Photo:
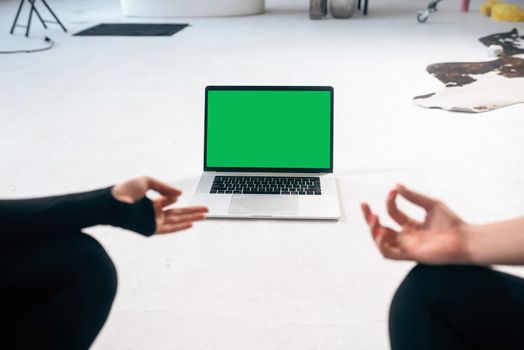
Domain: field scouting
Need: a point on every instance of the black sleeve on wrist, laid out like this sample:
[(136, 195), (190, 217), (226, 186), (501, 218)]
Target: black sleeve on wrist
[(138, 217), (77, 211)]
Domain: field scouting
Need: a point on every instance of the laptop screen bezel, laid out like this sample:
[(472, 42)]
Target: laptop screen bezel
[(270, 88)]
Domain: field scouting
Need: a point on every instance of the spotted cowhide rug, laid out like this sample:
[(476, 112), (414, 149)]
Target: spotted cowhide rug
[(481, 86)]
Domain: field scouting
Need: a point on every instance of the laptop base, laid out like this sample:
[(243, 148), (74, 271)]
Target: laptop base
[(269, 206)]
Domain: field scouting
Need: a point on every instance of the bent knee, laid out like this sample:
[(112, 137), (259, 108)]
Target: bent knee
[(412, 306), (93, 268), (427, 284)]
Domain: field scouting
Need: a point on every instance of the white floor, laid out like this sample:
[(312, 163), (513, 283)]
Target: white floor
[(94, 111)]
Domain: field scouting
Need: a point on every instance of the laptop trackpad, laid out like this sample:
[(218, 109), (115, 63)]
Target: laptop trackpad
[(263, 204)]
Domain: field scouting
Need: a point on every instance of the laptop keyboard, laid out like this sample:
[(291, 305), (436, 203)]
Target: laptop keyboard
[(266, 185)]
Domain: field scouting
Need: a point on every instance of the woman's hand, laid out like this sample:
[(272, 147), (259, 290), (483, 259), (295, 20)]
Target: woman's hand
[(167, 220), (439, 239)]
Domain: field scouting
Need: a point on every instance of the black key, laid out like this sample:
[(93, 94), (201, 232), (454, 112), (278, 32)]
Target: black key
[(213, 191), (301, 192), (263, 184), (293, 192), (318, 192)]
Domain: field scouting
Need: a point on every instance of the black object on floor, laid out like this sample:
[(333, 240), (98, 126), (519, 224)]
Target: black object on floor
[(133, 29), (34, 10)]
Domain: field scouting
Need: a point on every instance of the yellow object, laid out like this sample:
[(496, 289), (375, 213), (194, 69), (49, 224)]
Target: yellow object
[(501, 11), (507, 12), (486, 7)]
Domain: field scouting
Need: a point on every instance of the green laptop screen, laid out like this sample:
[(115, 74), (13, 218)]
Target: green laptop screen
[(268, 129)]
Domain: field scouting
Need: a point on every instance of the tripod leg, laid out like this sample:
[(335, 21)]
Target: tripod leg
[(40, 18), (17, 15), (57, 20), (358, 4), (32, 2), (365, 12)]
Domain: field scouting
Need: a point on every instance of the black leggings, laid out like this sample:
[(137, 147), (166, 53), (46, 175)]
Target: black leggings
[(457, 307), (55, 292)]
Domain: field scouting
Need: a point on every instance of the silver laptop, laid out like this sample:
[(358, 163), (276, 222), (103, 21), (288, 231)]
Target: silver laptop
[(268, 153)]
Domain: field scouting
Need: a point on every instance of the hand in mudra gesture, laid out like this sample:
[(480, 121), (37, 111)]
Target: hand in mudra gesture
[(167, 220), (439, 239)]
